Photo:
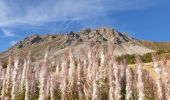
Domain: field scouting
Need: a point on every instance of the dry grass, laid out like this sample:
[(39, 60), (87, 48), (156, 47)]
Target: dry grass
[(150, 69), (94, 76)]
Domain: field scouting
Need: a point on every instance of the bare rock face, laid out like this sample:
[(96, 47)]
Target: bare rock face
[(34, 40), (100, 35), (57, 42), (114, 36)]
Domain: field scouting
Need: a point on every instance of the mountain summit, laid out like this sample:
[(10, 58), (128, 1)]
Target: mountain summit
[(37, 44)]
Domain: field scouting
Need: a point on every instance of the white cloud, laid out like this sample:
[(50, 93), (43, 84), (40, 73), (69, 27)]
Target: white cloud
[(31, 12), (13, 43), (7, 33)]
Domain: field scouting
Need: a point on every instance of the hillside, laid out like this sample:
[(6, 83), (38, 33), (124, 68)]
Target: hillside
[(37, 44), (87, 71), (158, 46)]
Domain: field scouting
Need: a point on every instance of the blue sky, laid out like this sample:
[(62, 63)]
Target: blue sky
[(142, 19)]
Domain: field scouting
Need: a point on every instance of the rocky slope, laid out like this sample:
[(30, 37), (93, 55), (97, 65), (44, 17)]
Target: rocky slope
[(77, 40)]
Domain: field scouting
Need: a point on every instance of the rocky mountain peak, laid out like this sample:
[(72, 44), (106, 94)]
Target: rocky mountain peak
[(104, 34), (99, 35), (57, 42)]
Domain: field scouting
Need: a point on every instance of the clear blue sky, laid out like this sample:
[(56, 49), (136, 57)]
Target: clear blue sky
[(142, 19)]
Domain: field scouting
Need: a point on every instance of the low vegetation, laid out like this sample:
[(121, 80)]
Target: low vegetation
[(146, 58), (97, 75)]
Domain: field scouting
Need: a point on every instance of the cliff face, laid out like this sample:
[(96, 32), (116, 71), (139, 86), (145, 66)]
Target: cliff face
[(58, 42)]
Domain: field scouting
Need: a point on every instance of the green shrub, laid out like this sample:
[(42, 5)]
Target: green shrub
[(147, 58)]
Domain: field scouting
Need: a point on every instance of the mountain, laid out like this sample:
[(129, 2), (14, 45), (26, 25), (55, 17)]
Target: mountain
[(37, 44)]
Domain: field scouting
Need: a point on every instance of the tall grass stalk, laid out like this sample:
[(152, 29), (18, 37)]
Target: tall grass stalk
[(43, 79), (64, 73), (117, 82), (27, 76), (158, 80), (80, 79), (27, 86), (8, 75), (3, 88), (72, 70), (165, 77), (23, 74), (129, 84), (52, 85), (14, 79), (111, 82), (95, 75), (140, 83)]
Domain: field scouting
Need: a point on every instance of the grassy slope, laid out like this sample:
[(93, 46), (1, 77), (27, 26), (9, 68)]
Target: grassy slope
[(149, 67), (163, 48), (157, 45)]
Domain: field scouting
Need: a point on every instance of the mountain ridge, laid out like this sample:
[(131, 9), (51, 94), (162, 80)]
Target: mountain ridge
[(37, 44)]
